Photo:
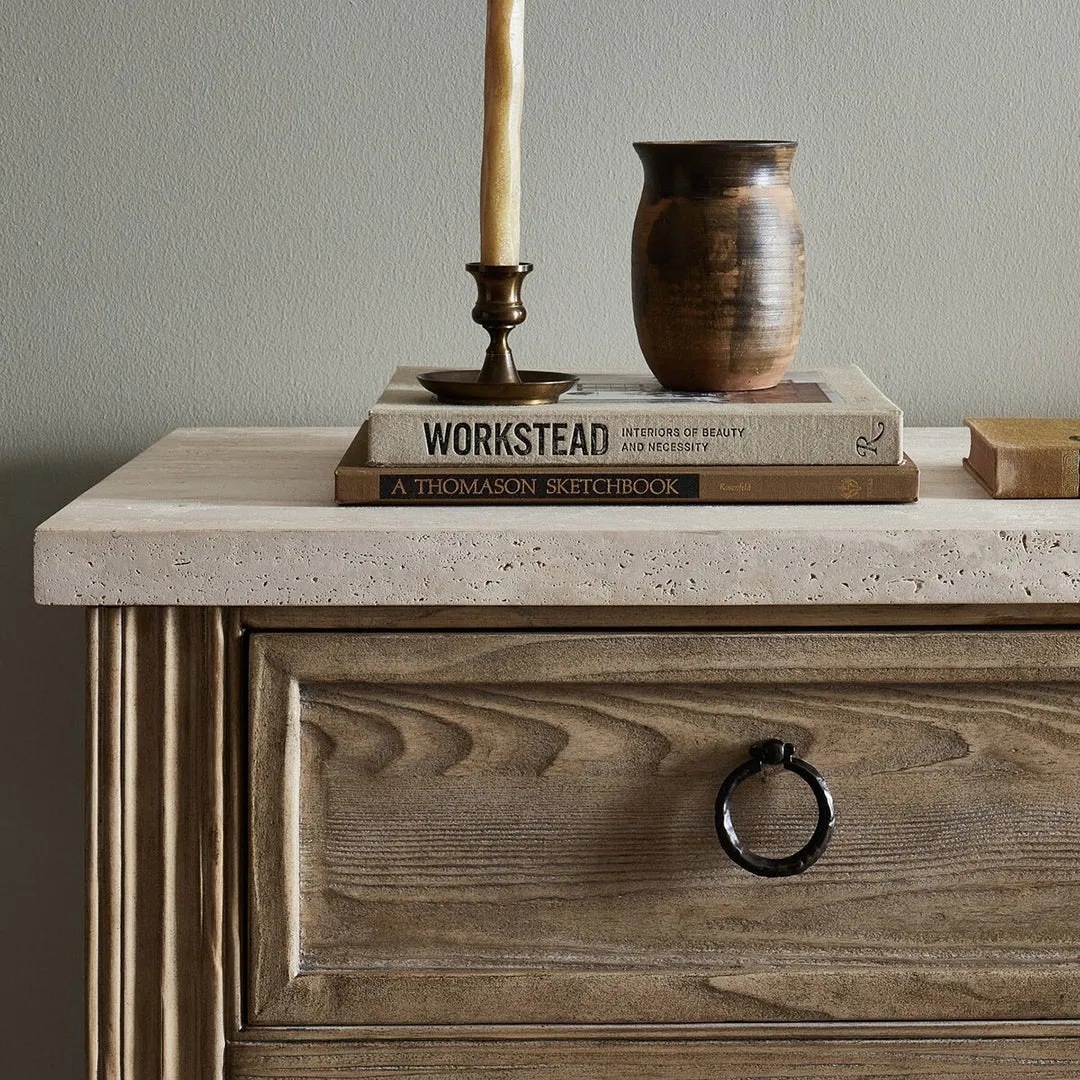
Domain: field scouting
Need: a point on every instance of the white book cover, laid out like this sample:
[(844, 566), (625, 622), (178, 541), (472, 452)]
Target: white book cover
[(832, 416)]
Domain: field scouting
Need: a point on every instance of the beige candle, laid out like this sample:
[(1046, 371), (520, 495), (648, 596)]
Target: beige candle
[(500, 171)]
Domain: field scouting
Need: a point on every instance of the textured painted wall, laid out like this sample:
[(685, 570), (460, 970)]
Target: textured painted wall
[(248, 213)]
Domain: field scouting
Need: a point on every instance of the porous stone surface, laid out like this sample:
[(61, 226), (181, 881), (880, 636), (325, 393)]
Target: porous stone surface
[(224, 516)]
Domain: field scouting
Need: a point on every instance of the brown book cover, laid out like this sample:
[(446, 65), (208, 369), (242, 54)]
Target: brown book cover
[(359, 483), (1025, 458)]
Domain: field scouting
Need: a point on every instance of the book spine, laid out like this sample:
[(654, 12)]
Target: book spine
[(1026, 472), (981, 462), (372, 485), (670, 437)]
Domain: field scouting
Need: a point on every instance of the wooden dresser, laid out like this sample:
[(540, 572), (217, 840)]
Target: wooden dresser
[(432, 792)]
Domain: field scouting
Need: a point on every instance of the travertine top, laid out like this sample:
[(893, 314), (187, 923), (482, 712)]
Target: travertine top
[(235, 516)]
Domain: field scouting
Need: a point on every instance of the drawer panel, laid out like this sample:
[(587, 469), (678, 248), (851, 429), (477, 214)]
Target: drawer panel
[(488, 828)]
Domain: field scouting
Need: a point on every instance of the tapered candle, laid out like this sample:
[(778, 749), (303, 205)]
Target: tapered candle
[(500, 170)]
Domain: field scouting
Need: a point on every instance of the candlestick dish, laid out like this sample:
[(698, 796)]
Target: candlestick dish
[(498, 310)]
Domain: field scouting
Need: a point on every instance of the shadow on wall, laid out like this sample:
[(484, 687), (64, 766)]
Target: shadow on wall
[(42, 778)]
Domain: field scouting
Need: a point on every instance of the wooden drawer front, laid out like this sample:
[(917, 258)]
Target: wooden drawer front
[(492, 828)]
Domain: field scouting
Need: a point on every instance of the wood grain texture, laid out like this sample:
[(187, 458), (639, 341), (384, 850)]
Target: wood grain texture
[(155, 800), (510, 827), (165, 807), (274, 838), (234, 804), (707, 659), (104, 985), (740, 617), (990, 1059), (795, 1031)]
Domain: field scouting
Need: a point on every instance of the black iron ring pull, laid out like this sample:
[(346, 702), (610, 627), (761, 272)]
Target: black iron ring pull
[(775, 752)]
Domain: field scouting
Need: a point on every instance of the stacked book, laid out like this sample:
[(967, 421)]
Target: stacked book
[(1032, 458), (827, 436)]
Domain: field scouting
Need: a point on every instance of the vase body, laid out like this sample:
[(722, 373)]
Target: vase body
[(717, 264)]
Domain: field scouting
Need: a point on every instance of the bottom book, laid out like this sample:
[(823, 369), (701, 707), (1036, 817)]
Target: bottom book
[(359, 483)]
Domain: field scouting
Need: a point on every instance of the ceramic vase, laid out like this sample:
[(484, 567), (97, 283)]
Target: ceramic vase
[(717, 264)]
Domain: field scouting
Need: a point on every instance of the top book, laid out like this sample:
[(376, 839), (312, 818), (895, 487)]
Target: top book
[(834, 416)]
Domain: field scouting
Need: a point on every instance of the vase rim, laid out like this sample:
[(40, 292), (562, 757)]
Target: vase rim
[(756, 144)]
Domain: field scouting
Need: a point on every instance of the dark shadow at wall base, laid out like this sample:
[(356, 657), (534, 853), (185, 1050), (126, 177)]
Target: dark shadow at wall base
[(42, 781)]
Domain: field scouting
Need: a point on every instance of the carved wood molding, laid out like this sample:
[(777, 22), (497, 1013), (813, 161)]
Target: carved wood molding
[(672, 1059), (156, 866)]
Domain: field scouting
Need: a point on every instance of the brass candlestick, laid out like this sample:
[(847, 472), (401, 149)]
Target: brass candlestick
[(498, 310)]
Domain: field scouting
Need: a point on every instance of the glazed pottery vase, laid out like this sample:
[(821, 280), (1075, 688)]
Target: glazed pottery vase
[(717, 264)]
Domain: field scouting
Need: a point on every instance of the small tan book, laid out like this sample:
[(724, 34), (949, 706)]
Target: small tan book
[(1025, 459)]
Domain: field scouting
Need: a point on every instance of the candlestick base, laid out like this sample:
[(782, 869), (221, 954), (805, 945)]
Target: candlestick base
[(498, 310), (461, 387)]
